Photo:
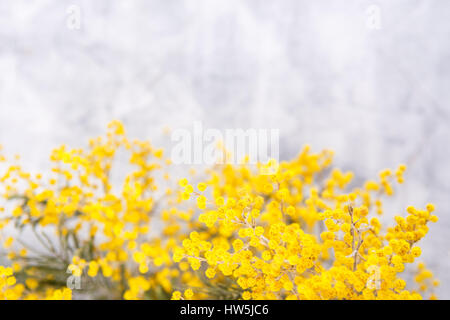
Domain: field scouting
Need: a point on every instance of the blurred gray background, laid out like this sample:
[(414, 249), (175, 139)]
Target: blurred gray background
[(370, 79)]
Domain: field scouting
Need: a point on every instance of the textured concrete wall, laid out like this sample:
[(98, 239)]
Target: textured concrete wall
[(328, 73)]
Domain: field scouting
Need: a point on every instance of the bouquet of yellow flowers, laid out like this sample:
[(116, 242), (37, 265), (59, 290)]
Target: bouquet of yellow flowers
[(84, 230)]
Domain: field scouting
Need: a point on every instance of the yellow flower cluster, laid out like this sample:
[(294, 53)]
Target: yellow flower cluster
[(298, 234), (97, 227), (76, 223), (9, 290)]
